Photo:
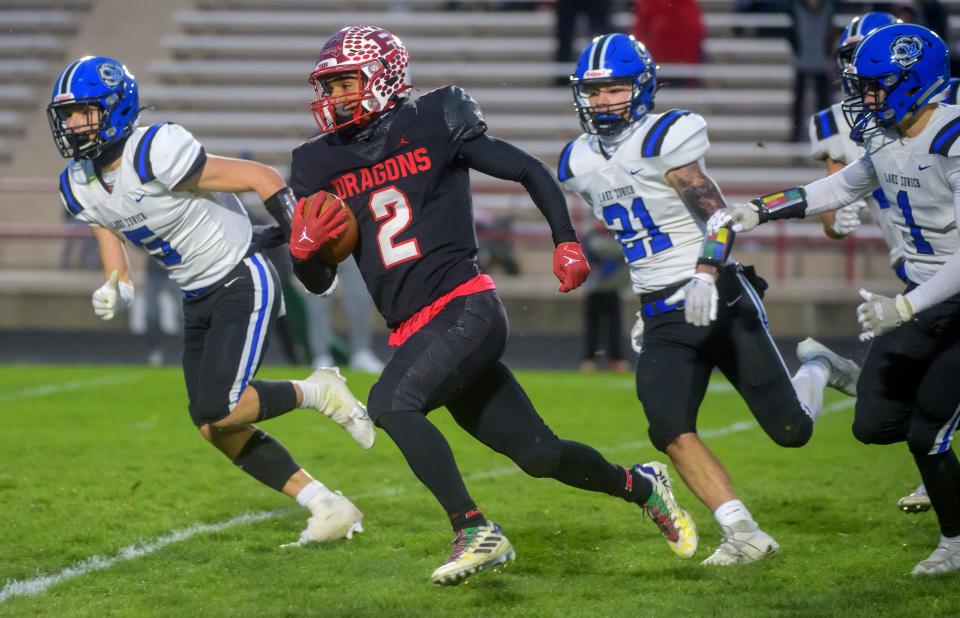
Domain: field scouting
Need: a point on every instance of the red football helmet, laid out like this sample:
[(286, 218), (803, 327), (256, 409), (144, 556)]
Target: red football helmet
[(381, 65)]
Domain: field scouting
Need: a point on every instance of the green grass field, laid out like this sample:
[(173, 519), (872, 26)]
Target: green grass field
[(98, 459)]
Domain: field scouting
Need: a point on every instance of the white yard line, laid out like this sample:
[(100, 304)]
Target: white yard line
[(29, 587), (65, 387)]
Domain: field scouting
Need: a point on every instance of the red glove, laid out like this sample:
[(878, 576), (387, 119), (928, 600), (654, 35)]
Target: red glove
[(309, 232), (570, 266)]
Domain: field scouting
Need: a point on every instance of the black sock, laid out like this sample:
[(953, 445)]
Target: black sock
[(583, 467), (466, 517), (941, 476), (276, 397)]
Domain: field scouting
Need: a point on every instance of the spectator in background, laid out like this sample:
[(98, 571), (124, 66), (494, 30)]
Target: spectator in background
[(357, 305), (601, 304), (812, 38), (672, 30), (598, 22)]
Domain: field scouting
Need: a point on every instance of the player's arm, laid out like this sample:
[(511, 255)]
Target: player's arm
[(851, 183), (502, 160), (702, 197), (239, 175), (879, 314), (829, 219), (117, 293)]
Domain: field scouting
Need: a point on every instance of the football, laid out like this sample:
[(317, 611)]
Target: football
[(341, 247)]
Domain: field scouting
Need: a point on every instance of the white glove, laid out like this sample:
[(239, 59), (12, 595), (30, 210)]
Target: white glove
[(881, 314), (700, 297), (740, 217), (112, 296), (848, 218), (636, 334)]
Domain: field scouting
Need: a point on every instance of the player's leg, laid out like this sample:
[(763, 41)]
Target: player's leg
[(672, 378), (224, 337), (743, 349), (237, 329), (496, 410), (931, 431), (428, 369)]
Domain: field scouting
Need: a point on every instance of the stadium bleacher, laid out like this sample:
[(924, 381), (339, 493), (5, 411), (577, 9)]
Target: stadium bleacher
[(234, 72)]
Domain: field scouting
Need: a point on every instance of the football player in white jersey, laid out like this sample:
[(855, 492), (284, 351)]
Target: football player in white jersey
[(830, 142), (643, 175), (907, 390), (157, 188)]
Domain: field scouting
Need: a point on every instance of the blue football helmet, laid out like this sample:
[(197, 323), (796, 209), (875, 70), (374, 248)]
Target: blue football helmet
[(858, 28), (613, 58), (93, 81), (900, 68)]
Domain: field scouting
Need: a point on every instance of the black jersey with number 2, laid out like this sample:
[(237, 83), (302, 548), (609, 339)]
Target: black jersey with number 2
[(410, 195)]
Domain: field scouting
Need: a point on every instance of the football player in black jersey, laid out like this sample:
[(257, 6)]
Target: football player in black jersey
[(403, 167)]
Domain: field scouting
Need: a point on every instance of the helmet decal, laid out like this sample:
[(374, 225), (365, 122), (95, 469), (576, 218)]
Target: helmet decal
[(906, 50)]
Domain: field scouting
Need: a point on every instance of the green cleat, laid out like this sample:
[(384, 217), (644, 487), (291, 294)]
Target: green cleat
[(674, 523)]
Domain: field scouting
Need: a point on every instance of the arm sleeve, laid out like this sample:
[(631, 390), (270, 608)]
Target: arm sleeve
[(507, 162), (852, 183), (316, 276), (946, 281)]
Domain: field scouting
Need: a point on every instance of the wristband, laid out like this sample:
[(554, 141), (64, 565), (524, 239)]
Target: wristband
[(716, 248), (788, 204)]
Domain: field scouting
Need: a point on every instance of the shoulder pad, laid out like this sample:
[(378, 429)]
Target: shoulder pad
[(825, 123), (141, 155), (461, 113), (70, 200), (653, 142), (945, 141), (953, 91), (564, 170)]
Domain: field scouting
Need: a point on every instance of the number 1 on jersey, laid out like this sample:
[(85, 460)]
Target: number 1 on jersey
[(391, 203)]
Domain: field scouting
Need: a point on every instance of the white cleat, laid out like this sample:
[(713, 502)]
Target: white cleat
[(844, 373), (474, 549), (334, 517), (917, 501), (944, 559), (743, 542), (326, 391)]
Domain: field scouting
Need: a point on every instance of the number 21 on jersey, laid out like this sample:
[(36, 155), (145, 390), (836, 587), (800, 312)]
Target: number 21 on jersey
[(391, 206), (628, 222)]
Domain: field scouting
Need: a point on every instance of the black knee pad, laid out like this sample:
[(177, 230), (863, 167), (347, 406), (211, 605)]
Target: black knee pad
[(266, 460), (276, 397), (539, 459)]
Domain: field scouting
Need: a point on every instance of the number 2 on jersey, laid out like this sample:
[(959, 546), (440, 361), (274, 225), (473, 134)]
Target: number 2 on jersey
[(626, 224), (390, 204)]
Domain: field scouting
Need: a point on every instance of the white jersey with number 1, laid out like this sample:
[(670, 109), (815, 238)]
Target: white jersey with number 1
[(628, 191), (198, 237)]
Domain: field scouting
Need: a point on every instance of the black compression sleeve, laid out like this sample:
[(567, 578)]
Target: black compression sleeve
[(507, 162), (316, 276)]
